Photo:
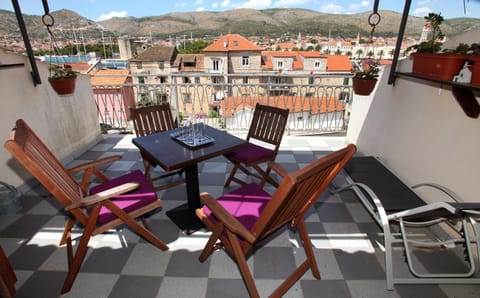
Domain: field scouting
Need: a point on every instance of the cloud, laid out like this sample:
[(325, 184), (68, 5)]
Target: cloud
[(352, 8), (225, 3), (181, 4), (331, 8), (289, 3), (424, 2), (421, 11), (255, 4), (358, 6), (198, 2), (214, 4), (113, 14), (200, 8)]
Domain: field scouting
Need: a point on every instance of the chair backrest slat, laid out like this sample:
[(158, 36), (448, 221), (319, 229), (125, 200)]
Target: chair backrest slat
[(268, 124), (152, 119), (298, 192), (36, 157)]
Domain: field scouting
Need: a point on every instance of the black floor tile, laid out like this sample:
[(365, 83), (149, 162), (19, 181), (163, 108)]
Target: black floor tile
[(129, 286)]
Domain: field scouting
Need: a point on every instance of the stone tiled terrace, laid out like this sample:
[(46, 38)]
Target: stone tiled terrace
[(347, 244)]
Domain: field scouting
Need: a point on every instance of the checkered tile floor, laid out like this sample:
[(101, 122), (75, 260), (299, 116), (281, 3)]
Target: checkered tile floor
[(348, 244)]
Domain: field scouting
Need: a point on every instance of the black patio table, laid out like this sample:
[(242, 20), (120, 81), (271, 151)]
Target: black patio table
[(165, 150)]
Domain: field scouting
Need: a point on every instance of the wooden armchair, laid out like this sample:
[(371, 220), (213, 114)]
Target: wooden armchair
[(110, 204), (241, 219), (267, 127), (149, 120)]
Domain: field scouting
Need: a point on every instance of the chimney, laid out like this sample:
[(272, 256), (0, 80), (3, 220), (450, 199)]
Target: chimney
[(225, 43)]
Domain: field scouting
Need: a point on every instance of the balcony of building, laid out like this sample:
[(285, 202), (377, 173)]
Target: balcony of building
[(417, 128)]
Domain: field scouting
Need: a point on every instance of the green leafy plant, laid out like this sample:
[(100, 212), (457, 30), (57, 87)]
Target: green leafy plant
[(462, 48), (61, 72), (432, 45), (369, 71)]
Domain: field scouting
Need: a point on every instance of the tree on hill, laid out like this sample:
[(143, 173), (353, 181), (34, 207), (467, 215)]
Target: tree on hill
[(195, 47)]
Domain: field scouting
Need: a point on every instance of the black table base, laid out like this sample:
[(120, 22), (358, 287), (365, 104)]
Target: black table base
[(185, 219)]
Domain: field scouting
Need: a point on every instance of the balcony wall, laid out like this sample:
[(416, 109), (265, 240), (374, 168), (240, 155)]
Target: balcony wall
[(68, 124), (421, 133)]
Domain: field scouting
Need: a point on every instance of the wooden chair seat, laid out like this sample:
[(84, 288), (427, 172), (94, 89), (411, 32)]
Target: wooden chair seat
[(149, 120), (110, 205), (241, 219), (267, 127)]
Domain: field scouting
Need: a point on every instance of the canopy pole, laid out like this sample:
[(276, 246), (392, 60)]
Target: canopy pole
[(23, 30), (401, 32)]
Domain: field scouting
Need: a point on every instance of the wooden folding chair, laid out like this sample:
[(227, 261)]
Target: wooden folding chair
[(267, 127), (149, 120), (111, 204), (7, 277), (241, 219)]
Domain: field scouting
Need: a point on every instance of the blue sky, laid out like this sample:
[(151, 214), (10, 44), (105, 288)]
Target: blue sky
[(104, 9)]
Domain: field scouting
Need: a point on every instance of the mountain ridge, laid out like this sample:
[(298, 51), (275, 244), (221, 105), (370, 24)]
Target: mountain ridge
[(275, 22)]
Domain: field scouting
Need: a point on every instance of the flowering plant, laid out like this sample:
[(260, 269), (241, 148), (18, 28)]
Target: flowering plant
[(369, 70), (61, 72)]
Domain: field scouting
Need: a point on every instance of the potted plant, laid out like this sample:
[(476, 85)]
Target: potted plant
[(475, 60), (429, 61), (62, 79), (365, 77)]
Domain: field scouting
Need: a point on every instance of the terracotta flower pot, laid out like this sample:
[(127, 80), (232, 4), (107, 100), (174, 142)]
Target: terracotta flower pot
[(475, 70), (63, 86), (363, 86), (438, 66)]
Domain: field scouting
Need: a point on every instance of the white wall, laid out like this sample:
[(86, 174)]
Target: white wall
[(67, 124), (421, 133)]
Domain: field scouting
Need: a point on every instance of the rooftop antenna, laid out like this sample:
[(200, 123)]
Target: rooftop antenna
[(104, 51)]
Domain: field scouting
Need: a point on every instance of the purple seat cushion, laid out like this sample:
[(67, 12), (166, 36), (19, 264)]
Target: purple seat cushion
[(139, 197), (251, 154), (245, 204)]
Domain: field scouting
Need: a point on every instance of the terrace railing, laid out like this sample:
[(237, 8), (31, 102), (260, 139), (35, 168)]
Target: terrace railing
[(227, 101)]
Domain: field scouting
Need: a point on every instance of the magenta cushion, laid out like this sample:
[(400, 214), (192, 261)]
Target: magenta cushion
[(251, 154), (139, 197), (245, 204)]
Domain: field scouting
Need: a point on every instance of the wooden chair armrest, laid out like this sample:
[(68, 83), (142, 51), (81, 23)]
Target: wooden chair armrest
[(278, 168), (103, 195), (230, 222), (95, 163)]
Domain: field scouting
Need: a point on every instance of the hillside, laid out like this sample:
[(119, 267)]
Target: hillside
[(248, 22)]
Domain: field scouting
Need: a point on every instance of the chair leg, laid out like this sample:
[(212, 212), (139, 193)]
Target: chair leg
[(265, 176), (67, 230), (309, 263), (242, 265), (145, 233), (232, 174), (307, 246), (81, 250), (210, 246)]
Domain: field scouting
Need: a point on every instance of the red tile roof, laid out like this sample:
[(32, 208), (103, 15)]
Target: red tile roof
[(232, 42), (295, 104), (80, 67), (113, 80), (338, 63)]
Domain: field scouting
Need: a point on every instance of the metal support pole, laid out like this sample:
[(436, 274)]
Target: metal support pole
[(23, 30), (401, 32)]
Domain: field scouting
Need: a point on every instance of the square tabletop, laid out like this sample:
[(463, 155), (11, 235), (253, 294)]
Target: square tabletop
[(171, 154)]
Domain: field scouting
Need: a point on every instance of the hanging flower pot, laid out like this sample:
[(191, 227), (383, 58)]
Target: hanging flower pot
[(63, 86), (363, 86), (62, 79), (365, 77)]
